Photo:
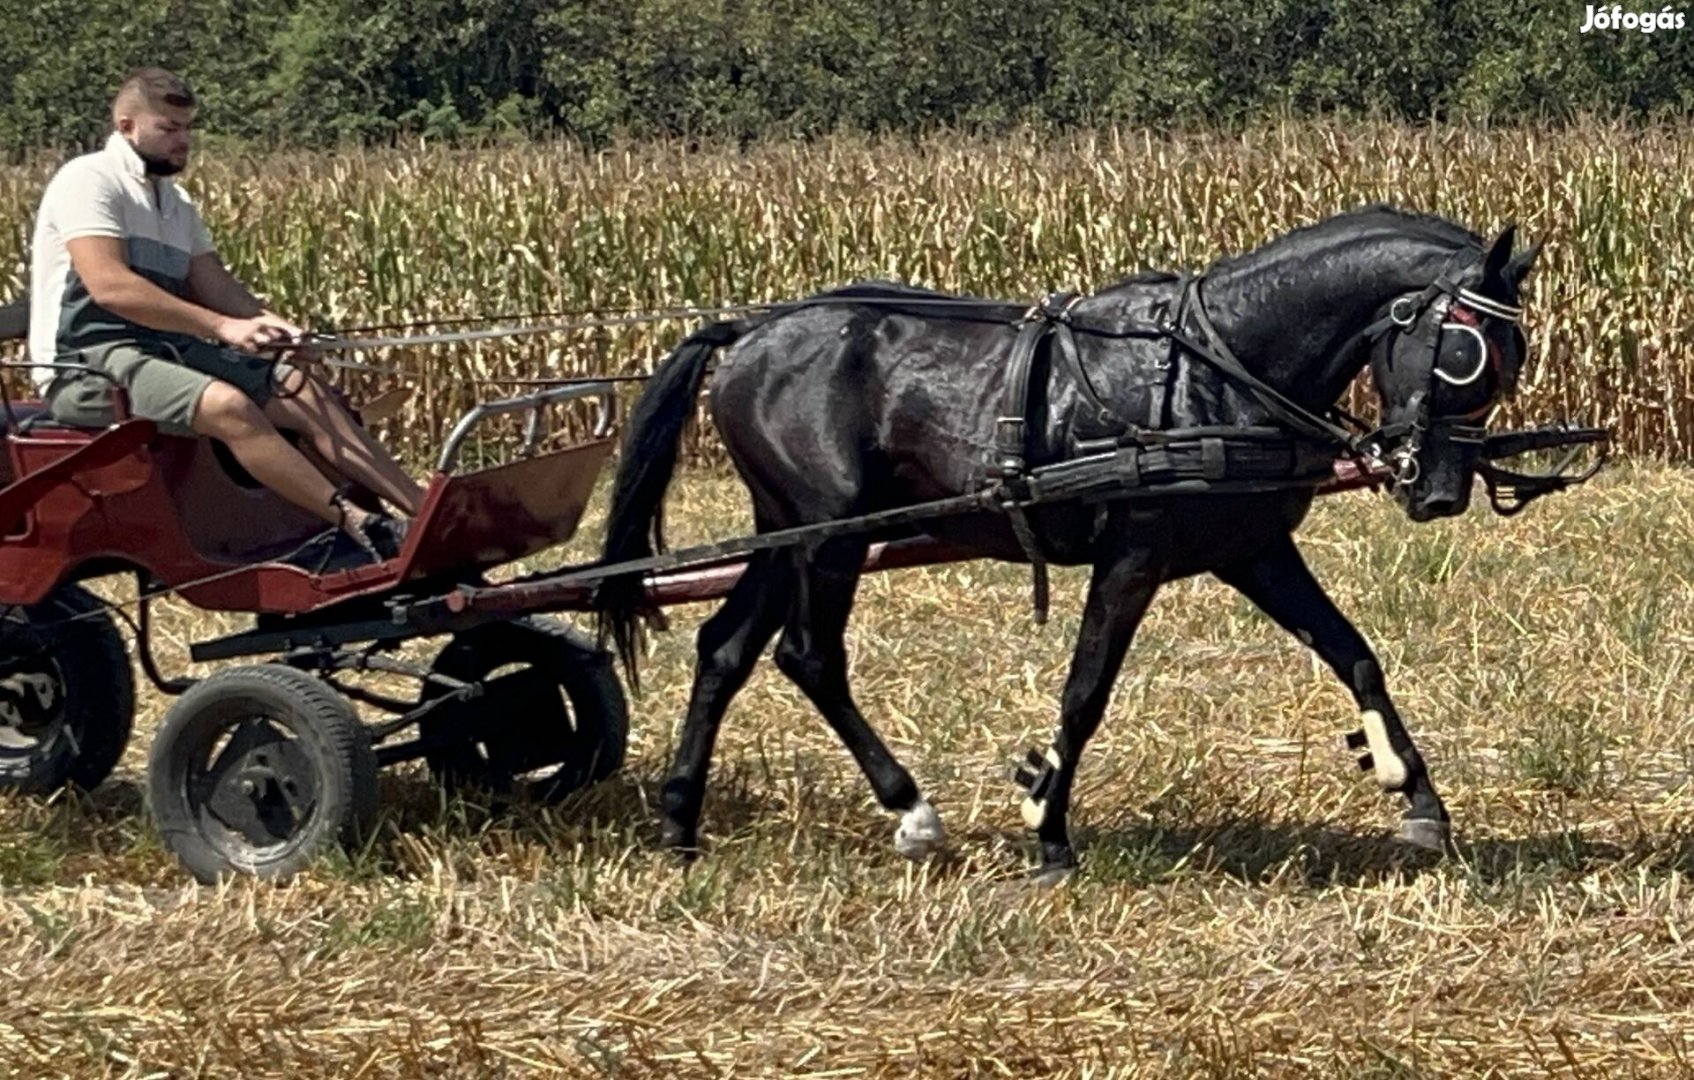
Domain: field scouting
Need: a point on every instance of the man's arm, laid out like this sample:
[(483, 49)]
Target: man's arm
[(101, 264), (212, 285)]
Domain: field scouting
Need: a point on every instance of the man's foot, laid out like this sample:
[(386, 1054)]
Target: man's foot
[(329, 552), (380, 535)]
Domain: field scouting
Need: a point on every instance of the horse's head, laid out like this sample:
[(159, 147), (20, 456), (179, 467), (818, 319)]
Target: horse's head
[(1446, 357)]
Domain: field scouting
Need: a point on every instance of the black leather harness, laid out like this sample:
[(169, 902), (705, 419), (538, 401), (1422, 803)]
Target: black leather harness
[(1184, 455), (1048, 320), (1048, 323)]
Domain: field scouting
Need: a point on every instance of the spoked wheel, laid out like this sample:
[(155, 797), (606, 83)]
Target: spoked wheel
[(67, 694), (259, 770), (551, 718)]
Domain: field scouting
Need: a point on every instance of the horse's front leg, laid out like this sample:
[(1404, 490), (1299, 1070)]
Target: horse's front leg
[(1282, 586)]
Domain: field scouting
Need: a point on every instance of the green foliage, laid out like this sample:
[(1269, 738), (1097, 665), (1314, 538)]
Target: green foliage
[(63, 59), (324, 72)]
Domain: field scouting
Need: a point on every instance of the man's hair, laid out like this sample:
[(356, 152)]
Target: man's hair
[(154, 88)]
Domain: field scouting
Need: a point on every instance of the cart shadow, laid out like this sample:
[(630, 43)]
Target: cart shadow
[(118, 800)]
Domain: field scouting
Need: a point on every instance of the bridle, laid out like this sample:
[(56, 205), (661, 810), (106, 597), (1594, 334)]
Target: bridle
[(1418, 322)]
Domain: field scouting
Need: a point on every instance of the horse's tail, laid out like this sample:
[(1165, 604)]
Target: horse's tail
[(645, 465)]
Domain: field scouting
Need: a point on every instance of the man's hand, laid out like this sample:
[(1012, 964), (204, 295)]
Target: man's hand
[(251, 335)]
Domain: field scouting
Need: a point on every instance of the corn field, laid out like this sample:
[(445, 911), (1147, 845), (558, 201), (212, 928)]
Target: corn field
[(353, 240)]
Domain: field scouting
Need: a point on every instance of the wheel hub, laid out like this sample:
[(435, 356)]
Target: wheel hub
[(32, 700), (261, 787)]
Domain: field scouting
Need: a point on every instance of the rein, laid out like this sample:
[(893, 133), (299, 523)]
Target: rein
[(1458, 309)]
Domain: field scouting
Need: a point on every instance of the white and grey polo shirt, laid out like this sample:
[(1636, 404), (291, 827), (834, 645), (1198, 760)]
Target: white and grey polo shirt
[(106, 193)]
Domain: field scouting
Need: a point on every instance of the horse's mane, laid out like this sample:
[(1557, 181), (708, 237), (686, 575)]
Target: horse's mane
[(1372, 218)]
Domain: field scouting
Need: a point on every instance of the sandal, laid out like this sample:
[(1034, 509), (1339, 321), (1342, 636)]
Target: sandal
[(382, 537)]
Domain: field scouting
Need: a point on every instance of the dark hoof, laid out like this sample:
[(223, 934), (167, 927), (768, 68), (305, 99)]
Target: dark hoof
[(1427, 835), (681, 841), (1049, 877), (1058, 863)]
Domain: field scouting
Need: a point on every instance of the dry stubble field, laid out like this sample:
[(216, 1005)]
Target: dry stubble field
[(1240, 909)]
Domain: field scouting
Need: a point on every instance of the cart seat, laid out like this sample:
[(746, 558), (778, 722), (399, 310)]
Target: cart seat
[(32, 418), (25, 415), (43, 421)]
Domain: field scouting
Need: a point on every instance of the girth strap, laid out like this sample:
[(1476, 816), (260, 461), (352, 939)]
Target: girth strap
[(1011, 429)]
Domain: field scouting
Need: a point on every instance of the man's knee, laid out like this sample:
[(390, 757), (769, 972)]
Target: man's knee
[(225, 412), (297, 401), (294, 383)]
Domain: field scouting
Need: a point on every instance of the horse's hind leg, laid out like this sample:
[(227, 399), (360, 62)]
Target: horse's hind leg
[(813, 653), (1282, 586), (1119, 594), (729, 644)]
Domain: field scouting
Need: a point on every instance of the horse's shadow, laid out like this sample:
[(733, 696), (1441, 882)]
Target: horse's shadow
[(621, 812), (618, 813), (1260, 851)]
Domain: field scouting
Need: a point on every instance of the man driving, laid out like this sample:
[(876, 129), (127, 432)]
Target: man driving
[(124, 278)]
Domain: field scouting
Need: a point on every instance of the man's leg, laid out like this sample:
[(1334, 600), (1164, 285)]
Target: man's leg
[(184, 400), (304, 406), (225, 413)]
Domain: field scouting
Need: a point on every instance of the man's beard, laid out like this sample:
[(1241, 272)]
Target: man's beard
[(158, 166)]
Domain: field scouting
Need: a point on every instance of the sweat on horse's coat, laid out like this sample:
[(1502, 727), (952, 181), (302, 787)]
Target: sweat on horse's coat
[(852, 403)]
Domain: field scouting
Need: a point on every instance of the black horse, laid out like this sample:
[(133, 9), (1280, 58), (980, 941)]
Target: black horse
[(879, 396)]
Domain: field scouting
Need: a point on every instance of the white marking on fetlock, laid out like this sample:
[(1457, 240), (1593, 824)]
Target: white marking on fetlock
[(1391, 771), (920, 832), (1035, 810), (1034, 813)]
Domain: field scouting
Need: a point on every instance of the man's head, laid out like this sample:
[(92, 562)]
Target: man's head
[(153, 111)]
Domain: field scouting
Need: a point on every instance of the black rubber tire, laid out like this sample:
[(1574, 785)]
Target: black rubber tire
[(88, 726), (337, 760), (581, 735)]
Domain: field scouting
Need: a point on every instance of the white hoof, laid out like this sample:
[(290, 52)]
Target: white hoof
[(1034, 813), (920, 833)]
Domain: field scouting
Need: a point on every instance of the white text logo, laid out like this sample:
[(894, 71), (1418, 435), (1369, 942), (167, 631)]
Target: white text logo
[(1616, 18)]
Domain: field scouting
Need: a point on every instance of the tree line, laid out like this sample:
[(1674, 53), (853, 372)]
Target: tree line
[(328, 72)]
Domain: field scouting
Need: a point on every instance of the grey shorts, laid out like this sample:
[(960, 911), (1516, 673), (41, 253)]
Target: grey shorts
[(162, 386)]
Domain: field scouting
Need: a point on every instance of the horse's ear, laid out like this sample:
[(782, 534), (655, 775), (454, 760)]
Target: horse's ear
[(1518, 268), (1495, 264)]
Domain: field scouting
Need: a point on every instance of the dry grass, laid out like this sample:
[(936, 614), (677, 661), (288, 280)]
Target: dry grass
[(1240, 908)]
